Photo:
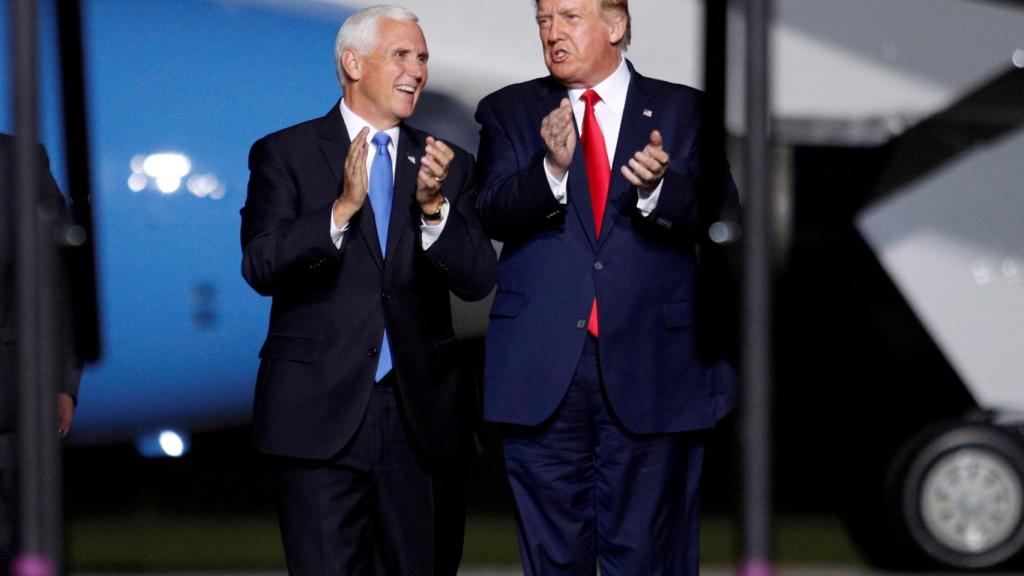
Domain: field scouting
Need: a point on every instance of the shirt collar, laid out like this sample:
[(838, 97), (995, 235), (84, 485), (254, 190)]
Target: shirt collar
[(354, 123), (612, 89)]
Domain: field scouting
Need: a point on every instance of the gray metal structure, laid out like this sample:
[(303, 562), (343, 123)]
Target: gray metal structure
[(38, 298), (756, 367)]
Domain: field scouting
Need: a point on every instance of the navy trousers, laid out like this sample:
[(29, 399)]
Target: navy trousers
[(374, 509), (588, 492)]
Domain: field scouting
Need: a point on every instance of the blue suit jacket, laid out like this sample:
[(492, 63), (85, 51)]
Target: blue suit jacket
[(642, 270)]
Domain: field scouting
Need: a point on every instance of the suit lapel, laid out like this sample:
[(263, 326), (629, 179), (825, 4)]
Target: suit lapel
[(334, 143), (404, 192), (634, 133)]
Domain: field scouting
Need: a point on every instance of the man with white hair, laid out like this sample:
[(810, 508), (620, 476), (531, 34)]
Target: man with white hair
[(358, 226)]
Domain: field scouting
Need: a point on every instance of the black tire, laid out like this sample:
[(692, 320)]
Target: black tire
[(960, 495)]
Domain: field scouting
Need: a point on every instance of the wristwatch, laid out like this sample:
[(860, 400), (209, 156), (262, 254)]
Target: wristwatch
[(436, 215)]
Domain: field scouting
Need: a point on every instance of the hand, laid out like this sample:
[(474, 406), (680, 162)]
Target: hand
[(647, 167), (433, 171), (65, 413), (558, 130), (353, 195)]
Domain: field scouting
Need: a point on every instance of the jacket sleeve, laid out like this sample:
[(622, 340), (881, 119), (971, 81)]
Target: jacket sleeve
[(695, 194), (282, 248), (463, 254), (71, 373), (515, 200)]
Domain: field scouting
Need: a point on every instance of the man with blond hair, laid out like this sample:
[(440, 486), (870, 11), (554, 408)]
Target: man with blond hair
[(358, 226), (589, 177)]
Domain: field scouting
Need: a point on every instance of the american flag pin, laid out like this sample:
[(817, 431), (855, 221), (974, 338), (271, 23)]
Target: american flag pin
[(648, 113), (411, 159)]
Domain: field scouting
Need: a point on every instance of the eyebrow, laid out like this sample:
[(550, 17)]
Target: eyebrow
[(409, 49)]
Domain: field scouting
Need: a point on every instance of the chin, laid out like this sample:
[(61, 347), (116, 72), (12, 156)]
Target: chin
[(564, 78), (562, 72)]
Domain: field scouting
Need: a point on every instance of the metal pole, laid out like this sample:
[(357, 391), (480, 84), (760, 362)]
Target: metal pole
[(757, 298), (715, 30), (35, 252)]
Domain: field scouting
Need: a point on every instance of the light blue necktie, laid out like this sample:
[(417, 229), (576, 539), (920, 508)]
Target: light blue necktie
[(381, 185)]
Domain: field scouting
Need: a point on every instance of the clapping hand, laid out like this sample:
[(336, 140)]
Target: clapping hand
[(433, 172), (559, 134), (647, 167)]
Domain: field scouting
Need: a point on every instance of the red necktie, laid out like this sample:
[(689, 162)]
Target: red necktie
[(599, 174)]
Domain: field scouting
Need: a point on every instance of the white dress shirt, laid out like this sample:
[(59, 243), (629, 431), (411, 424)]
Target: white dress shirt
[(608, 112), (353, 123)]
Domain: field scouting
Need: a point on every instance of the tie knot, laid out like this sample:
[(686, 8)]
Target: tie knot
[(590, 97), (381, 140)]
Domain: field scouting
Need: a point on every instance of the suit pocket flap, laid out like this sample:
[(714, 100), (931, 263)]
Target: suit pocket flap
[(295, 348), (678, 315), (507, 304)]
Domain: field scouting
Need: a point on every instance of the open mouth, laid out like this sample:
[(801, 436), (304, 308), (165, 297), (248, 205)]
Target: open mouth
[(559, 55), (406, 89)]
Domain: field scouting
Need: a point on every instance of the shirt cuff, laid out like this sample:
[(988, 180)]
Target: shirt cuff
[(557, 186), (337, 234), (647, 205), (430, 233)]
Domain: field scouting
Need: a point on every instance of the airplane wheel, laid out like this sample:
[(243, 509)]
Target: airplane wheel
[(963, 496)]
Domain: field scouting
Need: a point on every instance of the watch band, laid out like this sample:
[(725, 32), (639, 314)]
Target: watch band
[(436, 215)]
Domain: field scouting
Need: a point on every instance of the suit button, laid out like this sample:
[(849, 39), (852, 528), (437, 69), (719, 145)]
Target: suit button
[(371, 352), (385, 296), (598, 265), (581, 324)]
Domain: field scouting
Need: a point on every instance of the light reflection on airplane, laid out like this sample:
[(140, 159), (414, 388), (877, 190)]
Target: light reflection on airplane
[(165, 171)]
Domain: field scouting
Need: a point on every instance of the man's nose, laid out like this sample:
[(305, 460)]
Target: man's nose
[(554, 30), (416, 69)]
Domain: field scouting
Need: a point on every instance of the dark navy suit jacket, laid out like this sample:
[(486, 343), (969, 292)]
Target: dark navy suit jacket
[(330, 307), (642, 269)]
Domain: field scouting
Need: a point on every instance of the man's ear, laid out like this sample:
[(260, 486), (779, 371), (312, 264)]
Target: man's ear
[(616, 27), (350, 62)]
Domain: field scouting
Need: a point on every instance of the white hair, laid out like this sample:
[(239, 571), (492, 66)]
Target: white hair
[(359, 32)]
